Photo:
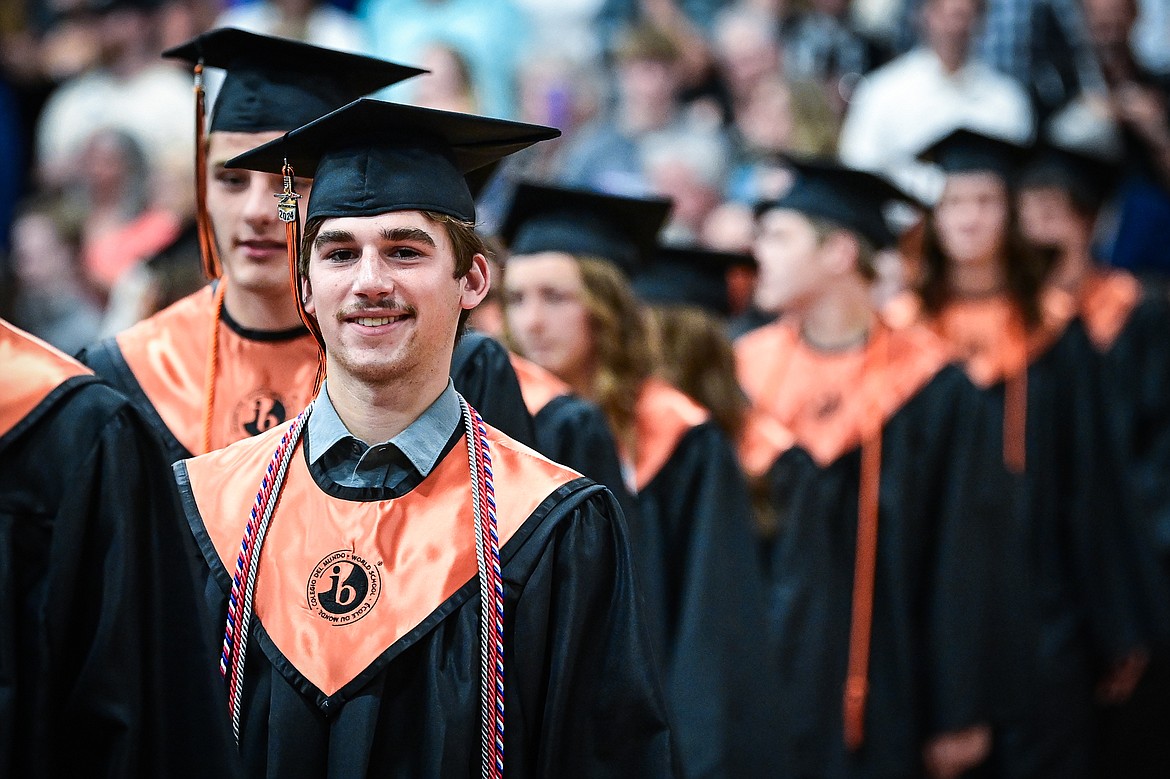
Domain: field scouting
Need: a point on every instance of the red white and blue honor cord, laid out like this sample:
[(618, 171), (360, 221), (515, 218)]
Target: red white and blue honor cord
[(487, 552)]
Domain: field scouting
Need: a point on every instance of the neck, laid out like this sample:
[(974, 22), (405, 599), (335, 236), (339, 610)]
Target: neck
[(254, 311), (840, 318), (975, 279), (952, 58), (378, 411), (1072, 268)]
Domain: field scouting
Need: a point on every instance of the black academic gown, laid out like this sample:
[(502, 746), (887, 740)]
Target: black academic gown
[(1128, 323), (482, 373), (698, 567), (104, 668), (1088, 577), (583, 696), (929, 666)]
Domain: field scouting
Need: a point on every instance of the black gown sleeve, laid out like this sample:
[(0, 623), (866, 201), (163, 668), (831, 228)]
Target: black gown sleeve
[(698, 563), (579, 637), (483, 374), (104, 665), (574, 432)]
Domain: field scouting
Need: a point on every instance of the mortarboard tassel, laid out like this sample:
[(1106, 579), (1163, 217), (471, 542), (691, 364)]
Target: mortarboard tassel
[(864, 567), (288, 211), (208, 251), (1015, 407)]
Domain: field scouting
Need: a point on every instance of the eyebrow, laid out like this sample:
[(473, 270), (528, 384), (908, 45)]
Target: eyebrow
[(332, 236), (412, 234)]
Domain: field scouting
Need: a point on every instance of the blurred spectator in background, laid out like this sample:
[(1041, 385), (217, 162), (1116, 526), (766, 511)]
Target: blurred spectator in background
[(1137, 102), (129, 89), (780, 117), (448, 86), (901, 107), (607, 155), (121, 227), (689, 170), (746, 47), (51, 302), (567, 27), (312, 21), (490, 36), (821, 44)]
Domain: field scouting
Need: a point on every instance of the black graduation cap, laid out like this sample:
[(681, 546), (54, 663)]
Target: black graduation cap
[(690, 276), (372, 157), (854, 199), (278, 84), (623, 230), (1087, 179), (968, 151)]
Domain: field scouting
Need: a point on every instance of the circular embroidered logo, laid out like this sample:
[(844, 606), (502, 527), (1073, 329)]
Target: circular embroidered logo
[(260, 411), (343, 588)]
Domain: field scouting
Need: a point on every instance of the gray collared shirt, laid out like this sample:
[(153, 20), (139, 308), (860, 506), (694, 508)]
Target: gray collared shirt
[(351, 462)]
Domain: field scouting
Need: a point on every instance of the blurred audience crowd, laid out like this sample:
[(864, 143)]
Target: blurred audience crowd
[(691, 99)]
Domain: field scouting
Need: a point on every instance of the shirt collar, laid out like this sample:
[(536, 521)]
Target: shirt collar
[(422, 441)]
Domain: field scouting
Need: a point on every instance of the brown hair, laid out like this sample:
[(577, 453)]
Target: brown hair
[(620, 343), (692, 352), (1024, 267), (465, 243)]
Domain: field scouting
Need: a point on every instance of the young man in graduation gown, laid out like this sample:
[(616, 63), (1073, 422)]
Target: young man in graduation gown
[(103, 672), (417, 594), (233, 359), (877, 573), (1060, 192), (1088, 580), (570, 308)]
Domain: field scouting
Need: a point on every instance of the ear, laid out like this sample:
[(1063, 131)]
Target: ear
[(840, 252), (307, 296), (476, 283)]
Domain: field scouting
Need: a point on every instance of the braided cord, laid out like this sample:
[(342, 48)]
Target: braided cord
[(489, 571), (240, 598), (491, 587)]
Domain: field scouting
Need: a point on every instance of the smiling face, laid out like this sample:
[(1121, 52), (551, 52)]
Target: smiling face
[(243, 213), (547, 316), (384, 293)]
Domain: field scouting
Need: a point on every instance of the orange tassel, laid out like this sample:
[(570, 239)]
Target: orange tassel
[(289, 213), (208, 250), (212, 369), (864, 572)]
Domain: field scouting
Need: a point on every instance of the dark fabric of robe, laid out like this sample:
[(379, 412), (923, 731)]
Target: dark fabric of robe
[(104, 665), (483, 374), (698, 565), (935, 623)]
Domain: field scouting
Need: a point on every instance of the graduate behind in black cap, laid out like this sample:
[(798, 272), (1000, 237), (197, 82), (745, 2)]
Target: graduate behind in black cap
[(432, 596), (1061, 192), (882, 490), (234, 359), (1088, 605), (570, 308), (685, 289)]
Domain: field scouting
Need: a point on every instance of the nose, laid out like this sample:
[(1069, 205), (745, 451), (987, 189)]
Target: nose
[(371, 276), (259, 207)]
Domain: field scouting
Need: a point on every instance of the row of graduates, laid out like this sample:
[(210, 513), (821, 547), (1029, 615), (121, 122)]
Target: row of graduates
[(951, 564)]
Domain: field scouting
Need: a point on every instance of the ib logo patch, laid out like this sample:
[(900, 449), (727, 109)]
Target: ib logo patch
[(343, 588), (262, 410)]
